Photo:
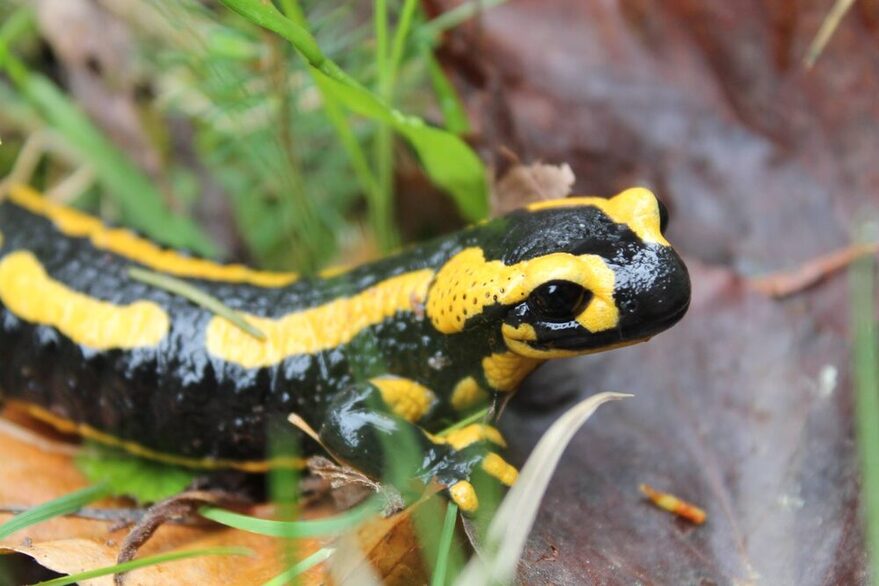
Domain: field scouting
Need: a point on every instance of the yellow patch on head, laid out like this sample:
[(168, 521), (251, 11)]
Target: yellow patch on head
[(467, 283), (127, 244), (467, 393), (318, 328), (476, 432), (496, 466), (405, 398), (637, 208), (464, 495), (505, 371), (28, 292)]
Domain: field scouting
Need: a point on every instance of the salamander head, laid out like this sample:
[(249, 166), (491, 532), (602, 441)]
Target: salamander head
[(567, 277)]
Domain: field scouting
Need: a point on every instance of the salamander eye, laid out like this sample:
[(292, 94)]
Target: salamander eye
[(663, 216), (559, 300)]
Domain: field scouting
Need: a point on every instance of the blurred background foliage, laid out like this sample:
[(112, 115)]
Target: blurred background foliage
[(191, 123)]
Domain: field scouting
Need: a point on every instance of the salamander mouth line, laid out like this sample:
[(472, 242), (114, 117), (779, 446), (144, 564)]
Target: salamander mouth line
[(615, 338)]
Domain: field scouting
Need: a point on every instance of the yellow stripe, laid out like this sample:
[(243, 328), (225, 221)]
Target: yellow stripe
[(636, 207), (319, 328), (83, 430), (125, 243), (28, 292)]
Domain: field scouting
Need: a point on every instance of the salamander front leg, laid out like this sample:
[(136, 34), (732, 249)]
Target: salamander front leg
[(368, 425)]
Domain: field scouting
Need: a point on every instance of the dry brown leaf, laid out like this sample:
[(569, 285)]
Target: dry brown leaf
[(390, 547), (31, 476), (524, 184)]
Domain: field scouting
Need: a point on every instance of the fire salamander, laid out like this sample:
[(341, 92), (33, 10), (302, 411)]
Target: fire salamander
[(387, 352)]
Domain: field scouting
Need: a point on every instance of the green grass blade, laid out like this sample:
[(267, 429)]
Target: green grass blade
[(330, 526), (472, 418), (197, 296), (291, 574), (445, 546), (64, 505), (152, 560), (404, 25), (457, 15), (454, 115), (142, 205), (449, 162), (267, 16), (866, 379)]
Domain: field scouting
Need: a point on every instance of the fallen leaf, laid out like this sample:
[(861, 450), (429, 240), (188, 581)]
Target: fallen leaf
[(69, 544), (524, 184)]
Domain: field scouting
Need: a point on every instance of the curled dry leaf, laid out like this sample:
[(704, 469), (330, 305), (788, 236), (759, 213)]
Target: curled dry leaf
[(524, 184)]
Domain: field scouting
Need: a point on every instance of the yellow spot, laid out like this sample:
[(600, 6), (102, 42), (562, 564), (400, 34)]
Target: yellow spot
[(126, 244), (28, 292), (505, 371), (476, 432), (467, 283), (84, 430), (468, 393), (464, 495), (637, 208), (496, 466), (406, 398), (317, 328)]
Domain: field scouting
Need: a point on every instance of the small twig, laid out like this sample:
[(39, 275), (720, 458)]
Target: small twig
[(37, 145), (197, 296), (303, 426), (72, 186), (828, 27), (123, 517), (785, 283), (672, 504), (181, 507)]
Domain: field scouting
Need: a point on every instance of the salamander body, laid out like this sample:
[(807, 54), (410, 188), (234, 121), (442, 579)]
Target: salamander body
[(421, 338)]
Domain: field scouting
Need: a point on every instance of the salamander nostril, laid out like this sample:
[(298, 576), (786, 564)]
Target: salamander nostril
[(629, 305)]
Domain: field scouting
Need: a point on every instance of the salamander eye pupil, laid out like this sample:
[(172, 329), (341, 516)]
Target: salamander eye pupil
[(663, 216), (559, 300)]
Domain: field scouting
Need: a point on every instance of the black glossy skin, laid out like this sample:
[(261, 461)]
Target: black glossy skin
[(176, 398)]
